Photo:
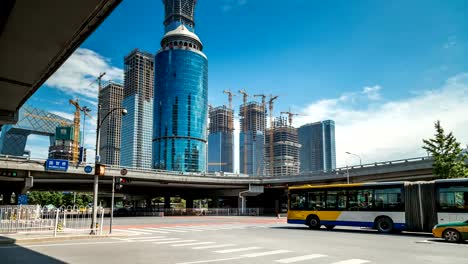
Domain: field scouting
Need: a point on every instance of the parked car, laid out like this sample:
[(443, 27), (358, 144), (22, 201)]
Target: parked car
[(452, 231)]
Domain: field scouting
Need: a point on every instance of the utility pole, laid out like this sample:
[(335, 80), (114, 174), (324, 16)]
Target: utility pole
[(97, 160)]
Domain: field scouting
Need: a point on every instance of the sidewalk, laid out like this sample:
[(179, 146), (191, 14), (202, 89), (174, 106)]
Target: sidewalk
[(38, 237)]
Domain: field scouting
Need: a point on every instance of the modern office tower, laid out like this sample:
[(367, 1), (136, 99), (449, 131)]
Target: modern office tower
[(318, 146), (181, 93), (252, 138), (221, 139), (283, 159), (137, 124), (110, 97)]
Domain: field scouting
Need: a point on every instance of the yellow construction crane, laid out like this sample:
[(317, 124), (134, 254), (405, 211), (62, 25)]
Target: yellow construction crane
[(270, 108), (76, 129), (230, 95), (290, 116)]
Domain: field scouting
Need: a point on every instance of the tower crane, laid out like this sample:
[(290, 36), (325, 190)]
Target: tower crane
[(263, 98), (245, 95), (230, 95), (290, 116), (76, 128), (270, 108)]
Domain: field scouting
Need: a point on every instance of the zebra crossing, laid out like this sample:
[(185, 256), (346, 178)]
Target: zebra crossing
[(137, 231), (219, 250)]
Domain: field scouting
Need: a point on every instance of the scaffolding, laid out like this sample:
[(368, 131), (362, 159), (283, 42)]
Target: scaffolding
[(221, 120), (283, 158)]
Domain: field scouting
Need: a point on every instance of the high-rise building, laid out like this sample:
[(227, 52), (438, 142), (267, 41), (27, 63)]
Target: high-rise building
[(110, 97), (221, 140), (252, 138), (318, 151), (137, 124), (181, 93), (283, 159)]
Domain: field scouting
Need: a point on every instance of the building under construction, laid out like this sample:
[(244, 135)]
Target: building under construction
[(252, 138), (64, 144), (221, 139), (283, 159)]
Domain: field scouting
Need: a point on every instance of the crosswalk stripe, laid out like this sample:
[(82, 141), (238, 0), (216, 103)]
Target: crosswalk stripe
[(236, 249), (214, 246), (157, 239), (145, 230), (209, 260), (352, 261), (166, 229), (300, 258), (274, 252), (138, 238), (184, 228), (193, 244), (173, 242), (134, 232)]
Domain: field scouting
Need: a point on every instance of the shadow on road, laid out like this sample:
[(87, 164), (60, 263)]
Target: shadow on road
[(12, 253), (354, 231)]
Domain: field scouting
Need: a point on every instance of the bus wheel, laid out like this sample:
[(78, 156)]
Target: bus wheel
[(384, 225), (451, 235), (329, 227), (313, 222)]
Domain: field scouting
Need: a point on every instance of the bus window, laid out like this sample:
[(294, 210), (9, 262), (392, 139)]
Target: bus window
[(331, 200), (453, 198), (387, 199), (341, 200), (298, 201), (316, 200)]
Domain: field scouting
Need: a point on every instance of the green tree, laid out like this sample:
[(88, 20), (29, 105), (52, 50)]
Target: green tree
[(449, 159)]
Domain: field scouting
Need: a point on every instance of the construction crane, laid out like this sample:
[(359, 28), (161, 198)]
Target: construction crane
[(230, 95), (290, 116), (245, 95), (263, 98), (270, 108), (76, 128)]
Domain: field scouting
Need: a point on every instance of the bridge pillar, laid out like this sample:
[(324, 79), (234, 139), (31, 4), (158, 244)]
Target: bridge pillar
[(167, 201)]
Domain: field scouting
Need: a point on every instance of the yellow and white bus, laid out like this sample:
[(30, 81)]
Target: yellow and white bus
[(385, 206)]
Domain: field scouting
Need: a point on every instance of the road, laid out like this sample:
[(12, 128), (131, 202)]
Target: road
[(235, 240)]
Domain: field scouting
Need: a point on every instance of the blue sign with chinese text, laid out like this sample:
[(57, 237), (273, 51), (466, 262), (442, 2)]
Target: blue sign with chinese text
[(60, 165)]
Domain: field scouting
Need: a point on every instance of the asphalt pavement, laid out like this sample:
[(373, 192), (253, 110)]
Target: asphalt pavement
[(193, 240)]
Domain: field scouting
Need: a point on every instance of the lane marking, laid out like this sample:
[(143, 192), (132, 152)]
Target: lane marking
[(273, 252), (215, 246), (173, 242), (166, 229), (210, 260), (138, 238), (145, 230), (134, 232), (236, 249), (352, 261), (157, 239), (193, 244), (300, 258)]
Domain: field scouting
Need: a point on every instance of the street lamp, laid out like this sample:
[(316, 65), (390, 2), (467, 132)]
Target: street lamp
[(97, 163), (360, 160)]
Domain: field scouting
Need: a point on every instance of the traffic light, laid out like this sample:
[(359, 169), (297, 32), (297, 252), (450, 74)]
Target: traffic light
[(100, 170), (8, 173), (119, 181)]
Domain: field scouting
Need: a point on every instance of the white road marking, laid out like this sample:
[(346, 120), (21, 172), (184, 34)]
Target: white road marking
[(173, 242), (214, 246), (259, 254), (166, 229), (138, 238), (146, 230), (193, 244), (66, 244), (157, 239), (300, 258), (352, 261), (210, 260), (132, 232), (236, 249)]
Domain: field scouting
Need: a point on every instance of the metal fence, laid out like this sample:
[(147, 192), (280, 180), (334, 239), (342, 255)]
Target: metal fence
[(188, 212), (33, 218)]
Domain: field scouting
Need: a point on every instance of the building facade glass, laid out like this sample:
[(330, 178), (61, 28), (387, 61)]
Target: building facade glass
[(181, 94), (252, 152), (318, 151), (220, 152)]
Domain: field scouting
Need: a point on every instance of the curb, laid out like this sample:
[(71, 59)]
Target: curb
[(9, 241)]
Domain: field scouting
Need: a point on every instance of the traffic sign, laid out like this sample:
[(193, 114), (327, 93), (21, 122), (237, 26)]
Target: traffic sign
[(53, 164), (88, 169), (123, 172)]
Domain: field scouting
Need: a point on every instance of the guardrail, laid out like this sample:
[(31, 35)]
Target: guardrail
[(188, 212)]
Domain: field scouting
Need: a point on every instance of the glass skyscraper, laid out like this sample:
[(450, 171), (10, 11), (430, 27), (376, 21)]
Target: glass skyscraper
[(137, 124), (318, 151), (221, 140), (181, 93)]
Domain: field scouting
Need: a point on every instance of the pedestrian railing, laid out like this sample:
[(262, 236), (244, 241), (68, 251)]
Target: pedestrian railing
[(188, 211), (33, 218)]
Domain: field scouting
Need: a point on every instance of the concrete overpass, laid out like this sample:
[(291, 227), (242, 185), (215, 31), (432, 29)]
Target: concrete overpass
[(36, 38)]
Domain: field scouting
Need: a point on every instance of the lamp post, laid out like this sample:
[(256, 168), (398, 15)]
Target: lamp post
[(97, 163), (360, 160)]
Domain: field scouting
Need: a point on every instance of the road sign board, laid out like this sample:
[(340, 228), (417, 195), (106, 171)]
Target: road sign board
[(88, 169), (53, 164), (123, 172), (23, 199)]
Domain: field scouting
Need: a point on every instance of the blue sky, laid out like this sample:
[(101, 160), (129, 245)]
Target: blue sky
[(383, 70)]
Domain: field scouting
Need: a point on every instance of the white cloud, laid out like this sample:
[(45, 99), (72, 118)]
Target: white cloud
[(392, 129), (63, 114), (228, 5), (80, 70)]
